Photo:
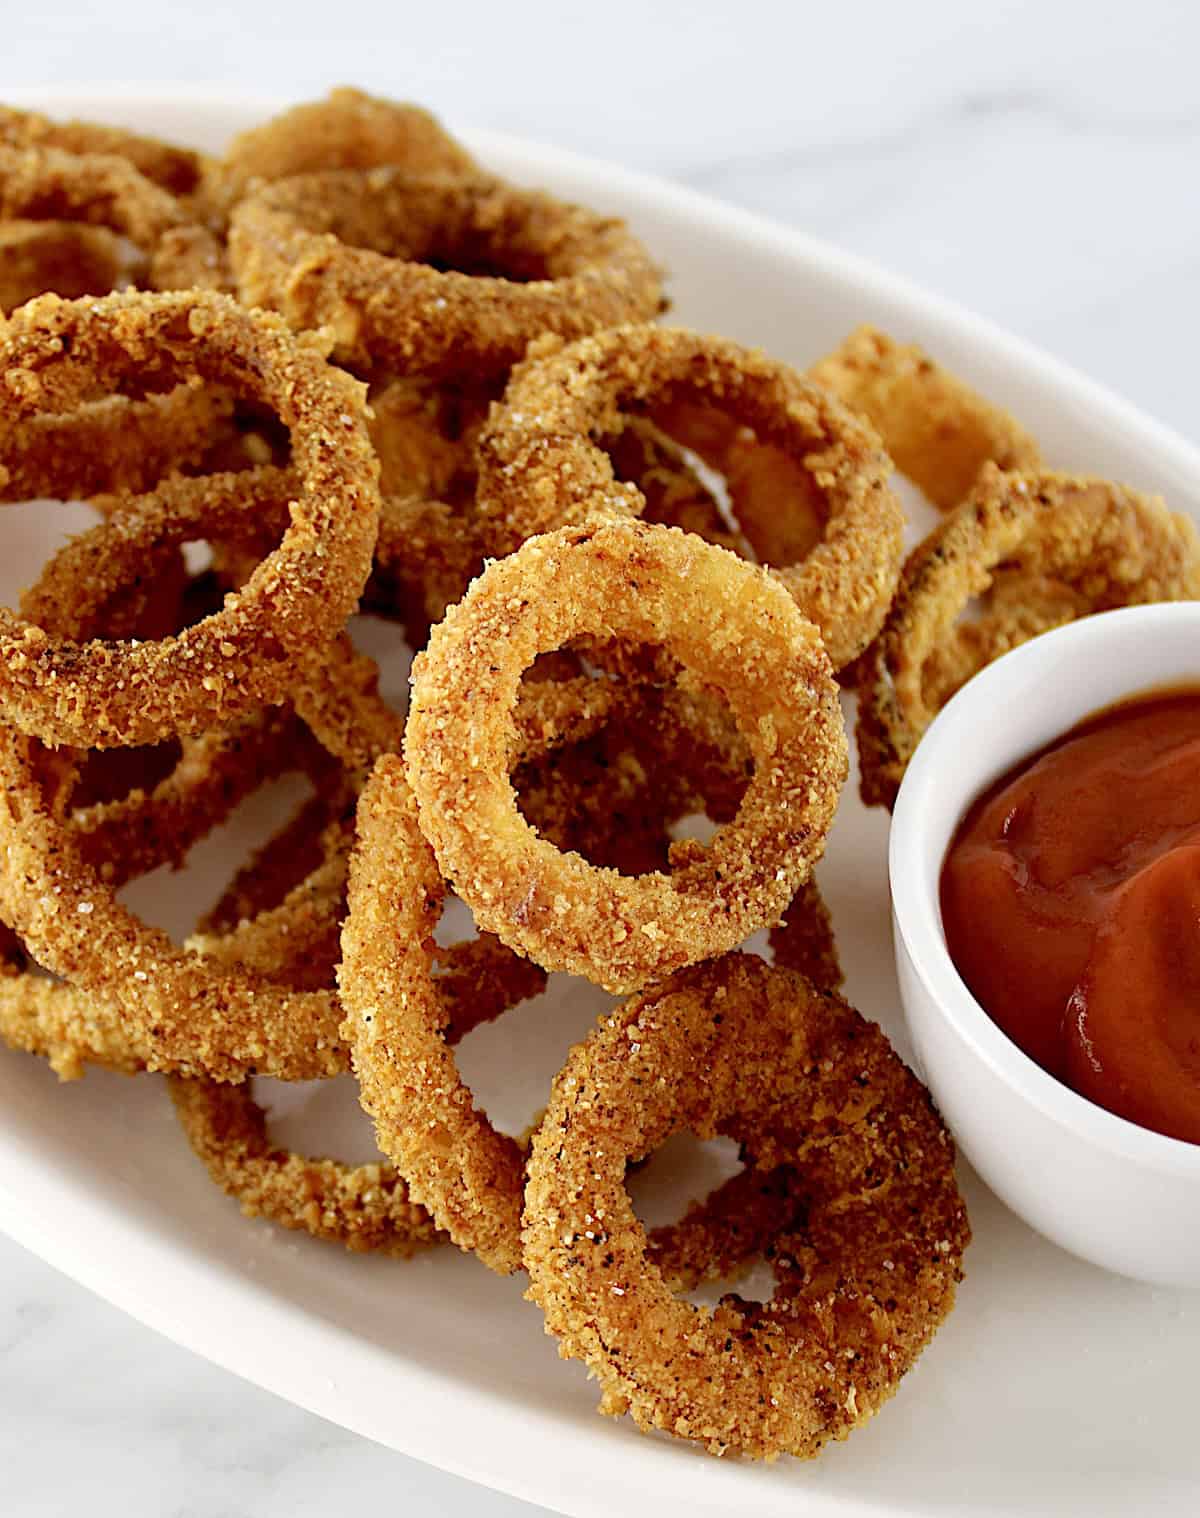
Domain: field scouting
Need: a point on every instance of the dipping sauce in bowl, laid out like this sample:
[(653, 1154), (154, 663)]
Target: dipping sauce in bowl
[(1070, 899)]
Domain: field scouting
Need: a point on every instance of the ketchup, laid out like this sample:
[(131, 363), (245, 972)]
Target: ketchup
[(1071, 907)]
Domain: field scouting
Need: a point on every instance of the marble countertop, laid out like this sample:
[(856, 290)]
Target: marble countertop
[(1037, 163)]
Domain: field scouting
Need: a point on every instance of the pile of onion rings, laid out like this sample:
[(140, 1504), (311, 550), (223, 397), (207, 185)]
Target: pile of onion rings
[(633, 563)]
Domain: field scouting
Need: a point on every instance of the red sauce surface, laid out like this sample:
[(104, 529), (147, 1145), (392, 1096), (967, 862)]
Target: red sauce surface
[(1071, 906)]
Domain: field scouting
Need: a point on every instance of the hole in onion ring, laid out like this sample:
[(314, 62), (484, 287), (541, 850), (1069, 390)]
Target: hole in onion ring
[(167, 898), (509, 1063), (318, 1117)]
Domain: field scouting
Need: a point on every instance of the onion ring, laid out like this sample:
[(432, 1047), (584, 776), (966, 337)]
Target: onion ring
[(122, 839), (939, 431), (177, 1011), (96, 694), (174, 1011), (461, 1167), (729, 622), (178, 170), (112, 444), (431, 544), (1042, 550), (355, 251), (46, 184), (867, 1263), (364, 1207), (539, 466), (346, 130)]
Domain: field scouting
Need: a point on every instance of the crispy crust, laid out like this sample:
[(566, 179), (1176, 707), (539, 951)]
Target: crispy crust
[(100, 694), (46, 184), (611, 793), (939, 431), (867, 1254), (540, 465), (354, 250), (1039, 550), (727, 621), (363, 1207), (346, 130), (159, 1007), (180, 171), (111, 444)]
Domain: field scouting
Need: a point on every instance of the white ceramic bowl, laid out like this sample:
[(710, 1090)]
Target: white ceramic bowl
[(1100, 1186)]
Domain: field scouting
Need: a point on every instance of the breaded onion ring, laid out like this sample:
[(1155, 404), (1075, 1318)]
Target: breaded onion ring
[(111, 444), (539, 465), (364, 1207), (659, 755), (384, 258), (939, 431), (866, 1261), (173, 1010), (101, 694), (45, 184), (346, 130), (178, 170), (728, 622), (1041, 550), (431, 545), (121, 838), (160, 1007)]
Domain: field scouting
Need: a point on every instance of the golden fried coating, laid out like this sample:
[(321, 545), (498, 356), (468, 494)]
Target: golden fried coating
[(1036, 550), (346, 130), (45, 184), (364, 1207), (729, 623), (177, 170), (111, 693), (632, 564), (113, 444), (448, 275), (540, 466), (866, 1256), (939, 431), (65, 257)]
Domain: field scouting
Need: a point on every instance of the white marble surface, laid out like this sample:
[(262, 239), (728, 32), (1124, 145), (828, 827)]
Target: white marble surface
[(1034, 161)]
